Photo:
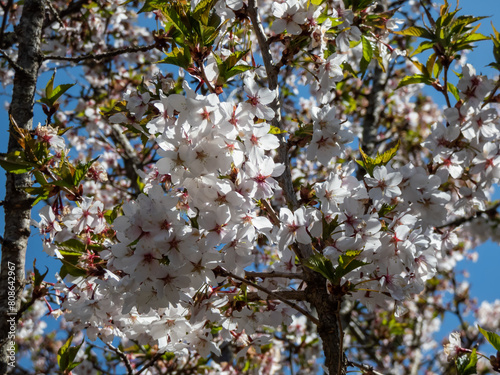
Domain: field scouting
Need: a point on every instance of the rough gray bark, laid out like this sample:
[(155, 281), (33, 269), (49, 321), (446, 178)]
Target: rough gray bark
[(373, 111), (372, 117), (17, 203), (329, 328), (130, 158)]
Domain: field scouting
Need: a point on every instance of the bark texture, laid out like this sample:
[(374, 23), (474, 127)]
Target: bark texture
[(329, 328), (17, 203)]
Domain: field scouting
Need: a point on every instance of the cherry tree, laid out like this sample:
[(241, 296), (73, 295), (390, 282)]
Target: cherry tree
[(247, 187)]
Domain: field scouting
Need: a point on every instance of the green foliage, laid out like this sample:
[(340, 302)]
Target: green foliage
[(321, 264), (495, 38), (276, 130), (192, 33), (369, 163), (38, 277), (111, 215), (447, 36), (53, 94), (228, 68), (178, 57), (357, 5), (72, 251), (329, 228), (346, 263), (66, 355), (466, 364), (386, 209), (417, 78), (367, 54), (15, 162), (492, 338)]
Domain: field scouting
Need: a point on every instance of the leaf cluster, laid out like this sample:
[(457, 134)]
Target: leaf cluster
[(447, 36)]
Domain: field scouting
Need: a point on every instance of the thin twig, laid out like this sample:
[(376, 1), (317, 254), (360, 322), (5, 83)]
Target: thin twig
[(105, 55), (490, 211), (6, 9), (14, 65), (123, 356), (205, 79), (297, 295), (286, 182), (56, 15), (150, 363), (361, 366), (273, 294), (264, 275), (270, 211)]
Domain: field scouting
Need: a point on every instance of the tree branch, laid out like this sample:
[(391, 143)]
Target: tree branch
[(285, 180), (105, 55), (365, 368), (263, 275), (455, 223), (124, 358), (150, 363), (132, 162), (272, 294), (15, 66), (6, 9), (297, 295)]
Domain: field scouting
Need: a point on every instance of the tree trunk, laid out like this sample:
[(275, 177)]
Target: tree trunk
[(17, 203), (329, 329)]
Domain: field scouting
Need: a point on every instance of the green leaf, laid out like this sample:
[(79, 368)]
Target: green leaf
[(66, 354), (40, 177), (176, 16), (276, 130), (16, 167), (202, 10), (367, 54), (111, 215), (492, 338), (466, 364), (228, 67), (385, 209), (178, 57), (321, 264), (454, 91), (416, 31), (429, 66), (72, 246), (238, 69), (387, 156), (81, 171), (51, 94), (42, 193), (474, 37), (50, 86), (38, 278), (329, 228), (366, 163), (348, 263), (417, 78), (209, 35), (424, 46)]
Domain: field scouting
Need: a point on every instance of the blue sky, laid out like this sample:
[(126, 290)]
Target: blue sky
[(483, 273)]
